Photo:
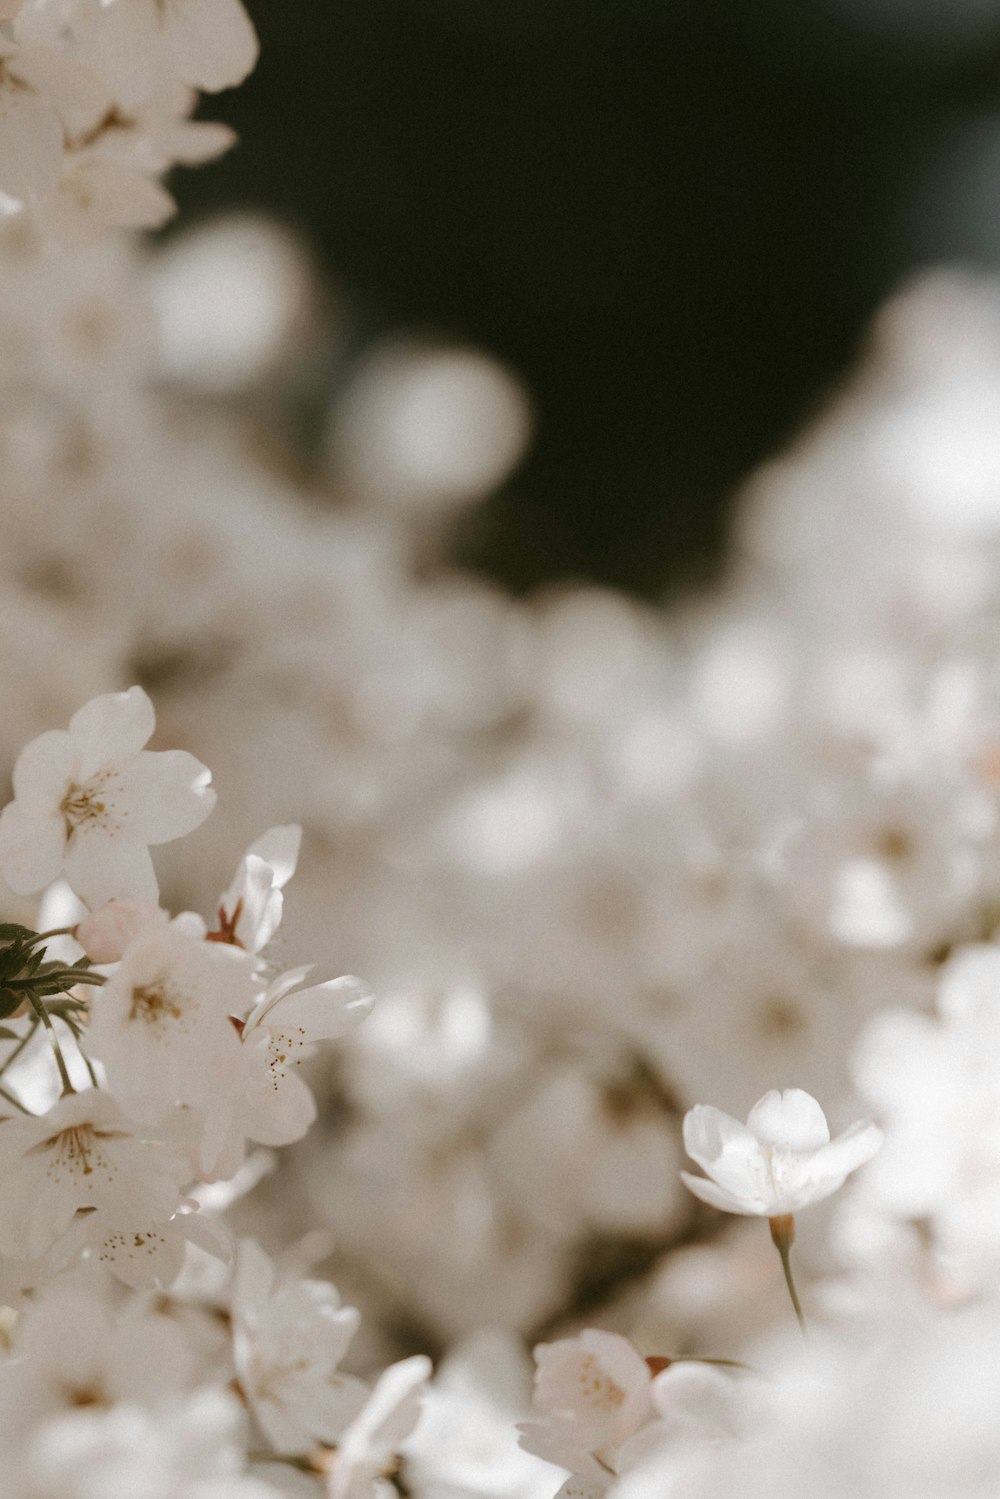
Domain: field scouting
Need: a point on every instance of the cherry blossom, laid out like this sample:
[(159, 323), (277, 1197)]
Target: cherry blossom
[(781, 1160), (268, 1102), (594, 1392), (89, 801), (82, 1157), (367, 1450), (289, 1337), (161, 1026), (250, 910)]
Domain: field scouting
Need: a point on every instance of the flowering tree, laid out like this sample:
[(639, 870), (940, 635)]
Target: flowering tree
[(600, 862)]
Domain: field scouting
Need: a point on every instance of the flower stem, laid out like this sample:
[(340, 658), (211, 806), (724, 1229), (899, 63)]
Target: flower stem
[(46, 1019), (56, 931), (20, 1046), (783, 1237)]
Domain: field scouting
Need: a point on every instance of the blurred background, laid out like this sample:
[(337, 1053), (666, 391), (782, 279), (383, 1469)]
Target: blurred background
[(673, 219)]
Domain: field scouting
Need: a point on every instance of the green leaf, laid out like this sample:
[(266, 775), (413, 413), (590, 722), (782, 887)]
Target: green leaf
[(11, 932)]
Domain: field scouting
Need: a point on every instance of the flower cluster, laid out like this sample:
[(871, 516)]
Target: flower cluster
[(603, 862), (171, 1047), (95, 100)]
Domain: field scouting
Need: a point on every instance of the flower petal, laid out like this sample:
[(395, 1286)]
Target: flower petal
[(856, 1146), (102, 866), (324, 1011), (44, 772), (790, 1118), (110, 730), (718, 1197), (163, 794), (279, 847), (31, 142), (31, 849), (212, 43)]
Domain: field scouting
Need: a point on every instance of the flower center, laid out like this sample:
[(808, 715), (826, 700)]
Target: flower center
[(155, 1003), (76, 1152), (84, 806), (598, 1389)]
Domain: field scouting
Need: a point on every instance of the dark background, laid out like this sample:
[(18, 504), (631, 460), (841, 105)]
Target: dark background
[(673, 217)]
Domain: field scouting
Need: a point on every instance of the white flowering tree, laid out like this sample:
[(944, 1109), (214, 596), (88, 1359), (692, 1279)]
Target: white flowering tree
[(601, 862)]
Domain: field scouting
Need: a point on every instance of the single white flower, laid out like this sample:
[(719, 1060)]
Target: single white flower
[(288, 1339), (593, 1392), (269, 1102), (367, 1450), (82, 1157), (90, 800), (72, 1353), (250, 910), (781, 1160), (162, 1027)]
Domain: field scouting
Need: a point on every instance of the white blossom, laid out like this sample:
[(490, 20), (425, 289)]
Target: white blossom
[(162, 1026), (83, 1157), (289, 1337), (781, 1160), (368, 1450), (90, 800)]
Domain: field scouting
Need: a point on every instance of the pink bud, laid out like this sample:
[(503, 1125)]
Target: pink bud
[(106, 932)]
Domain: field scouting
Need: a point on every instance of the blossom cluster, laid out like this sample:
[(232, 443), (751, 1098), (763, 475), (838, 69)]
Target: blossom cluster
[(95, 100), (144, 1055)]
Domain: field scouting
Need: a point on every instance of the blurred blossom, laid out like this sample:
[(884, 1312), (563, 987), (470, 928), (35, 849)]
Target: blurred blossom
[(234, 300), (430, 428)]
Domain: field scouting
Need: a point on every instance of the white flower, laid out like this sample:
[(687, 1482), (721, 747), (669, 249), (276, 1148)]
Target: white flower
[(594, 1392), (367, 1450), (250, 911), (781, 1160), (187, 1450), (70, 1353), (162, 1026), (269, 1102), (91, 800), (288, 1340), (208, 44), (82, 1157)]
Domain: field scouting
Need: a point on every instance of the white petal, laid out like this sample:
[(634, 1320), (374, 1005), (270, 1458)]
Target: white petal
[(143, 1258), (324, 1011), (724, 1148), (31, 142), (102, 866), (212, 43), (717, 1197), (98, 195), (279, 847), (162, 795), (45, 770), (791, 1118), (854, 1148), (111, 729), (31, 849), (73, 89), (277, 1115)]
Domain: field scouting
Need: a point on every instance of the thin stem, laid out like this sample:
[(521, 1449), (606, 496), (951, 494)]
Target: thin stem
[(46, 1019), (20, 1046), (783, 1236), (56, 931), (15, 1101)]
